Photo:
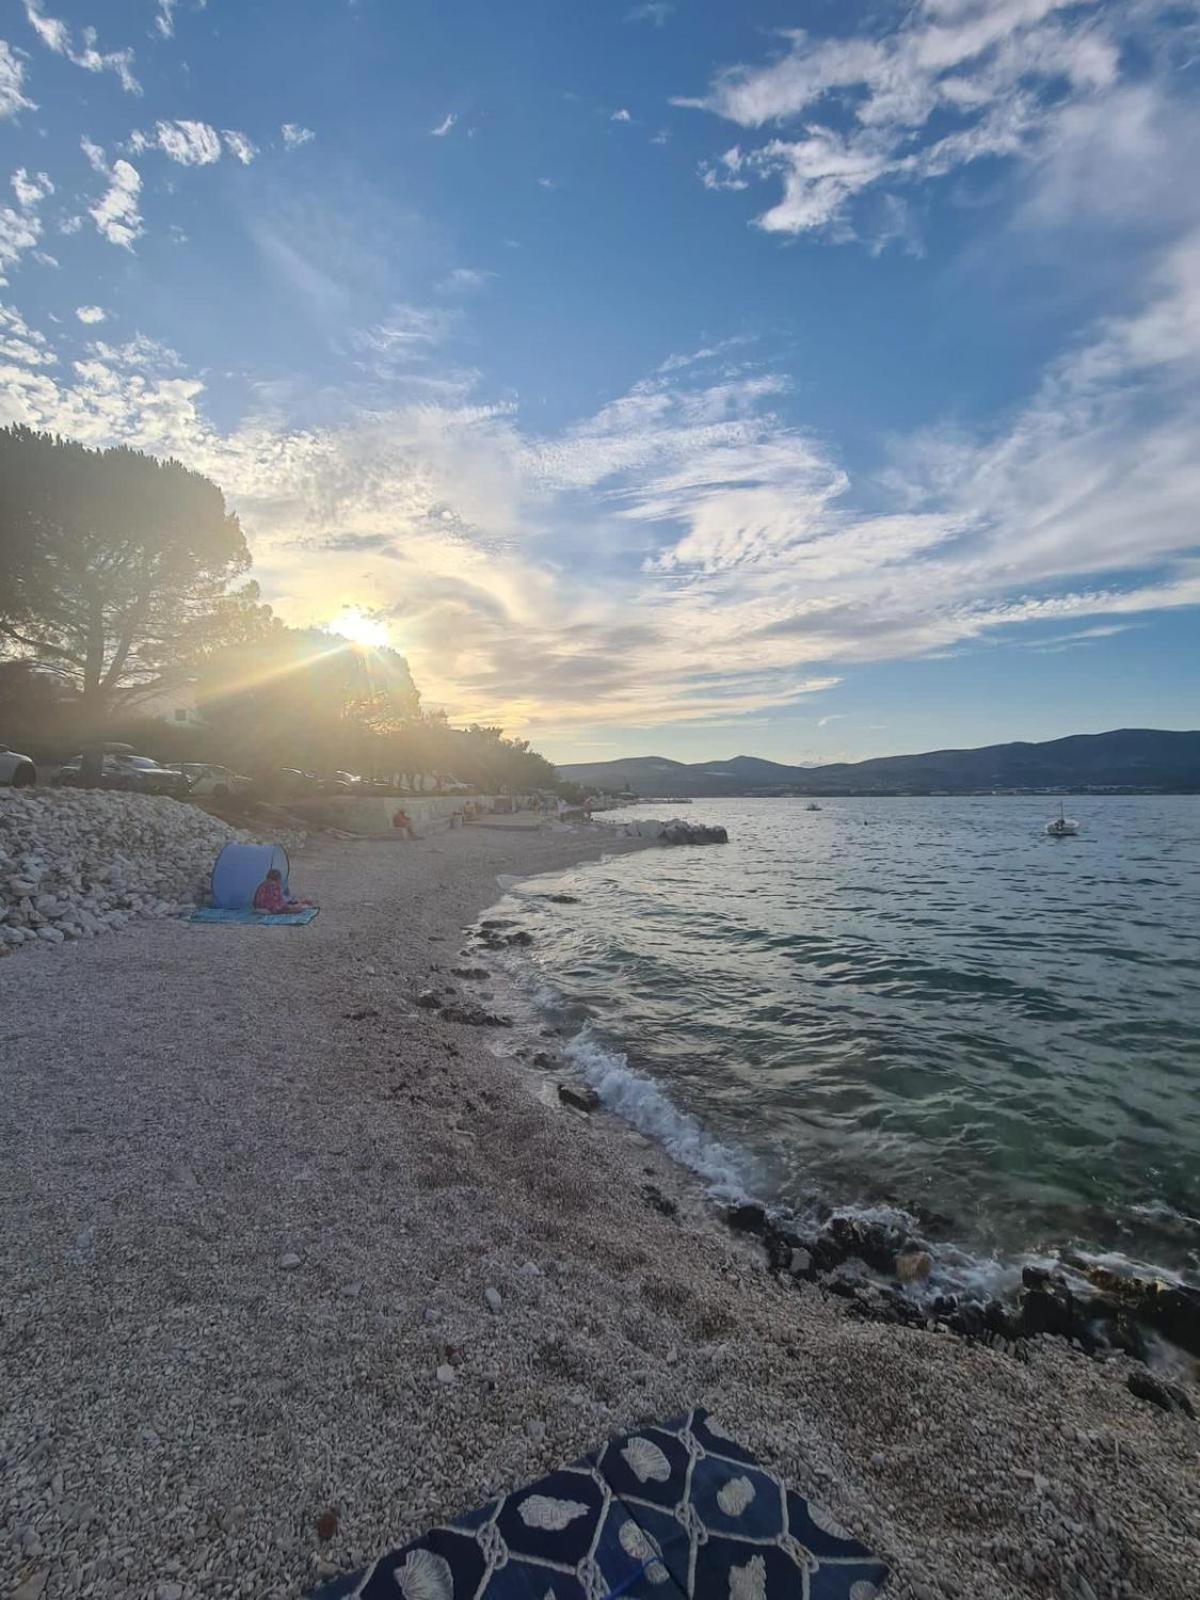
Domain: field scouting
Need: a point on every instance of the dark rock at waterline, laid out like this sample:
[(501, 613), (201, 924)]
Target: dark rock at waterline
[(491, 940), (655, 1198), (1114, 1320), (469, 972), (579, 1097), (497, 922), (1168, 1396), (748, 1218), (429, 1000), (543, 1058), (561, 899), (1175, 1311), (913, 1266), (1171, 1309), (843, 1239), (843, 1289), (1109, 1324), (870, 1242), (1047, 1306), (692, 833), (475, 1017), (1125, 1304)]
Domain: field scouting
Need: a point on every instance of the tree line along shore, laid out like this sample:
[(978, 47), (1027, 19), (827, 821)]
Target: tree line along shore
[(125, 579)]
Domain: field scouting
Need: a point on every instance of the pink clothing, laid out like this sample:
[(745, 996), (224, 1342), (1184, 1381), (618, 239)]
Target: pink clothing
[(269, 896)]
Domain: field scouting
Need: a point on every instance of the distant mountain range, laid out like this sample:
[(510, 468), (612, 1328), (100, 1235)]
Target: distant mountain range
[(1130, 758)]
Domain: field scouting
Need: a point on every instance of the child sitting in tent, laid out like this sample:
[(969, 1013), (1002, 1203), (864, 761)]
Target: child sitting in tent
[(269, 896)]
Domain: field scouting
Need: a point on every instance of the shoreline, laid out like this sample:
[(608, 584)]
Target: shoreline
[(890, 1263), (187, 1109)]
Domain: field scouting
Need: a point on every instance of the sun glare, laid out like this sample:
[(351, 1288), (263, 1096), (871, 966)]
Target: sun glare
[(354, 625)]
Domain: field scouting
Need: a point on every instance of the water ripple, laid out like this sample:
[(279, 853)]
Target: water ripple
[(944, 1007)]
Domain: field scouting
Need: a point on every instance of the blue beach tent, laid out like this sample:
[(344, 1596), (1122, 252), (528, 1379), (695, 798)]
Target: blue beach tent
[(240, 868)]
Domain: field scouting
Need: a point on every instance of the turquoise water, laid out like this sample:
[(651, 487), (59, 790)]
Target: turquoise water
[(922, 1003)]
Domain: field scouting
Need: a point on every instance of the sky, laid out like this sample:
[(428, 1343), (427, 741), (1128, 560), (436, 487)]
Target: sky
[(810, 380)]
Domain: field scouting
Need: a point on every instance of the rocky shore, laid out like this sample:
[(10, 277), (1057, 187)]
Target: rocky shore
[(1098, 1311), (294, 1265), (78, 863)]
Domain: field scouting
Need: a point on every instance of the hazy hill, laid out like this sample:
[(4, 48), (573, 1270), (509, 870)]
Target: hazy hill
[(1129, 758)]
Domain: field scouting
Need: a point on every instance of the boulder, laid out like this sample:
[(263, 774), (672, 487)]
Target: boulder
[(474, 1017), (1167, 1396), (1047, 1305), (579, 1097), (914, 1266)]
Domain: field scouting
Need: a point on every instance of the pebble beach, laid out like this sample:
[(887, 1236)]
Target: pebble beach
[(293, 1266)]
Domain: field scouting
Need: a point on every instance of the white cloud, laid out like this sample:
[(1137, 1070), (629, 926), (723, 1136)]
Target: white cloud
[(239, 146), (56, 36), (91, 313), (466, 280), (70, 225), (655, 11), (294, 135), (685, 552), (192, 144), (116, 213), (444, 127), (621, 115), (406, 334), (20, 343), (947, 86), (19, 232), (12, 82), (97, 160), (140, 353), (31, 188), (164, 22)]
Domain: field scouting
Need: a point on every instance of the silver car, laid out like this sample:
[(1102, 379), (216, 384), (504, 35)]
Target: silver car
[(15, 768)]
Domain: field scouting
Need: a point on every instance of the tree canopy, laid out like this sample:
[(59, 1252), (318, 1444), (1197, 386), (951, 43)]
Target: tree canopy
[(116, 569), (123, 576)]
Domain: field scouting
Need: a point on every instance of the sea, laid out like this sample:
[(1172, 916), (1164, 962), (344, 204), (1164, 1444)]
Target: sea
[(914, 1007)]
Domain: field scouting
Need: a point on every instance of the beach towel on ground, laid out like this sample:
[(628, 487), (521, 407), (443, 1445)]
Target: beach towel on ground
[(677, 1511), (261, 919)]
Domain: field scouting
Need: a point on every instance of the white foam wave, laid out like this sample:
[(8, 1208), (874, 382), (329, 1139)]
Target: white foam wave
[(642, 1103)]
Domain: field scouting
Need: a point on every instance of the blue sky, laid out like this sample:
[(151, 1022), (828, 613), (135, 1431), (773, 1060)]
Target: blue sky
[(809, 380)]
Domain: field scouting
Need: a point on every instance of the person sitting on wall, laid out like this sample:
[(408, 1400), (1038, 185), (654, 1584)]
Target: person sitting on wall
[(401, 822), (270, 898)]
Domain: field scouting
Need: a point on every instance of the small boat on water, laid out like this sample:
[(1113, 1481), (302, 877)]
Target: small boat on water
[(1063, 827)]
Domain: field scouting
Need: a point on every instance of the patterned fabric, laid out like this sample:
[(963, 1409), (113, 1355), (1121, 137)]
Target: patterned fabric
[(269, 896), (673, 1512)]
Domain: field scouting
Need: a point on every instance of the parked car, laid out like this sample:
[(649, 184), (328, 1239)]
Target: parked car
[(209, 779), (15, 768), (137, 774), (342, 783), (291, 781)]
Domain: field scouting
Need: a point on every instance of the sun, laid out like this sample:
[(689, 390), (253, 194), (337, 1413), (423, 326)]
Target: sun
[(353, 624)]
